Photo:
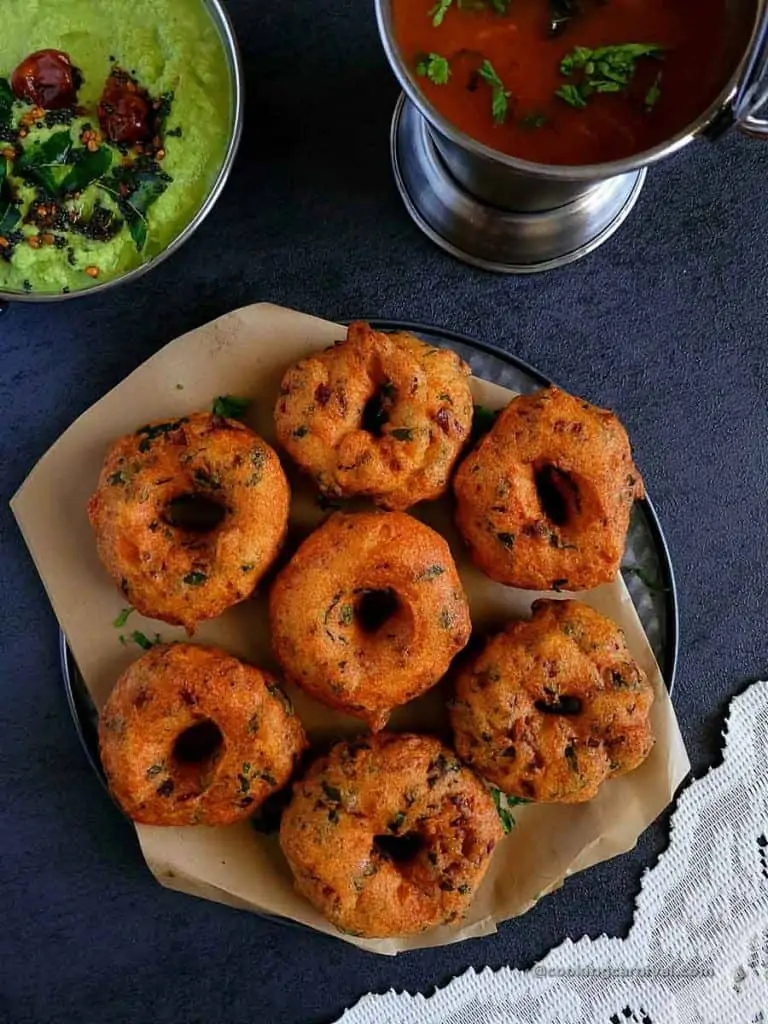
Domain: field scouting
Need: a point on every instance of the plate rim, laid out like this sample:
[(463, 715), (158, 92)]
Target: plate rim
[(672, 616)]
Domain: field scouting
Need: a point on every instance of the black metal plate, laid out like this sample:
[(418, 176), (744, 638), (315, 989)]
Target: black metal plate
[(650, 577)]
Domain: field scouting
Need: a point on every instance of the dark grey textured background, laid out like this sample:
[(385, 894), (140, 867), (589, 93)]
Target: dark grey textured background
[(666, 324)]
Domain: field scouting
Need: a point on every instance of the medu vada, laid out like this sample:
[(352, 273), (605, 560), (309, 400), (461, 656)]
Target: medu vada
[(192, 736), (368, 613), (189, 515), (383, 416), (554, 706), (389, 835), (543, 501)]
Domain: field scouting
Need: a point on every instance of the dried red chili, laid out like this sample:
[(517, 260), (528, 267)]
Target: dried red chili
[(48, 79)]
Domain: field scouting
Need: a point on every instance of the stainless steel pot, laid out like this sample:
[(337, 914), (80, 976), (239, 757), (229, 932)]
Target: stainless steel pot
[(507, 214), (224, 26)]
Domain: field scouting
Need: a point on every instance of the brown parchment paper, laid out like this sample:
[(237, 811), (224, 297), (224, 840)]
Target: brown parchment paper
[(245, 353)]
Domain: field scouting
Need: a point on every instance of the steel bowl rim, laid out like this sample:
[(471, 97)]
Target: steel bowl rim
[(553, 172), (234, 59)]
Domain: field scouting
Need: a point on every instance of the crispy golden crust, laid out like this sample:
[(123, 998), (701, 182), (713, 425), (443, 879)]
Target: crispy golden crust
[(554, 706), (543, 501), (390, 835), (207, 778), (328, 609), (179, 575), (424, 416)]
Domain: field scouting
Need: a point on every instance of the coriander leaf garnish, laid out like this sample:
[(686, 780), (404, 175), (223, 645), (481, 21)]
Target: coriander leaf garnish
[(438, 12), (571, 95), (499, 95), (500, 6), (151, 433), (482, 421), (608, 69), (230, 407), (122, 618), (402, 434), (653, 94), (507, 821), (139, 638), (435, 68), (533, 120), (430, 573), (195, 579)]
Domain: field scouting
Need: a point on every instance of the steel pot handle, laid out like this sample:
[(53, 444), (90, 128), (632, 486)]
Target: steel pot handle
[(754, 127), (752, 90)]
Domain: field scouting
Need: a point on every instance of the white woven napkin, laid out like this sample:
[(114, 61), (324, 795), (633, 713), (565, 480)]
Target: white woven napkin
[(697, 952)]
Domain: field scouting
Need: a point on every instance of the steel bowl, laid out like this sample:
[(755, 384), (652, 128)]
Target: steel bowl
[(505, 213), (226, 31)]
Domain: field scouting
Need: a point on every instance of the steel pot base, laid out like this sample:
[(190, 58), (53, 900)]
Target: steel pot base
[(500, 240)]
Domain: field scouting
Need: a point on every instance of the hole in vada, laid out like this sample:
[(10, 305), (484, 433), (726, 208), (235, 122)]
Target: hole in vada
[(376, 410), (560, 705), (558, 493), (196, 513), (399, 849), (199, 745), (375, 608)]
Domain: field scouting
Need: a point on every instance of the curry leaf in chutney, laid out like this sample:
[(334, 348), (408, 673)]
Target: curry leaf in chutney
[(87, 167), (10, 215), (134, 192), (6, 103), (43, 163), (53, 152), (149, 191)]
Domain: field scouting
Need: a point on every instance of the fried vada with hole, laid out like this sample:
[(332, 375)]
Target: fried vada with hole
[(543, 502), (389, 835), (554, 706), (369, 613), (192, 736), (377, 415), (189, 514)]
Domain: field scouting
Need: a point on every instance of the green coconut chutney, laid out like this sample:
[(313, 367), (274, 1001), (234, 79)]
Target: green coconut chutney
[(173, 49)]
